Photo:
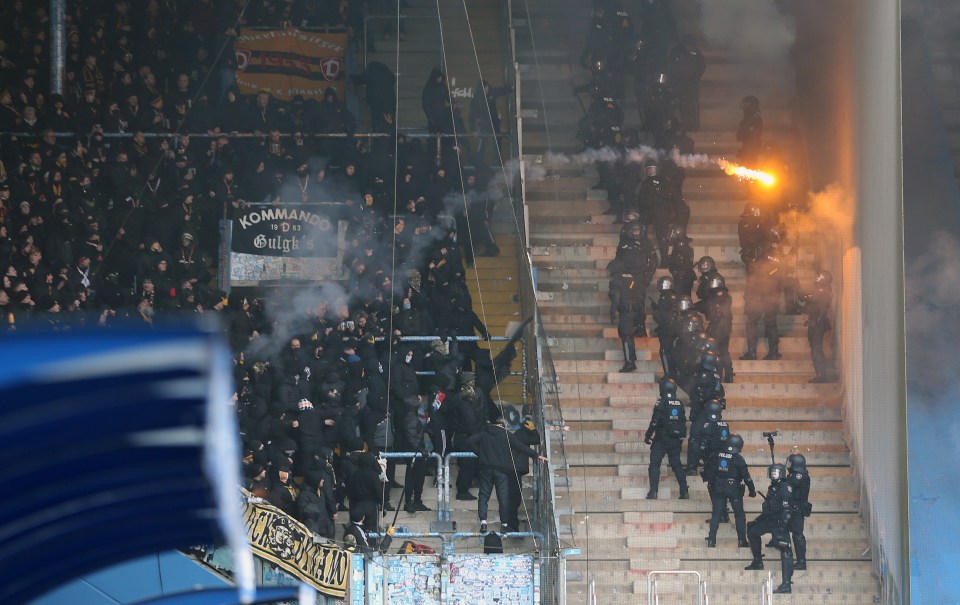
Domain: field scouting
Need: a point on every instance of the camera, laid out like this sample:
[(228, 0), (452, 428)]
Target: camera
[(772, 433)]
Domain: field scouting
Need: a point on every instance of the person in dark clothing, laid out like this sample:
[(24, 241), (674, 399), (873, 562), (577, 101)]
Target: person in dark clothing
[(665, 434), (380, 94), (817, 305), (630, 273), (762, 303), (467, 421), (527, 434), (283, 493), (750, 131), (686, 67), (365, 491), (356, 535), (728, 473), (664, 317), (680, 260), (719, 313), (799, 478), (496, 449), (775, 519), (484, 118), (316, 506)]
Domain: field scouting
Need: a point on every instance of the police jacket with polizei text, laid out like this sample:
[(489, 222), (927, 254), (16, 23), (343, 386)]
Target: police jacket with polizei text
[(713, 438), (727, 471), (669, 420), (779, 501), (496, 448)]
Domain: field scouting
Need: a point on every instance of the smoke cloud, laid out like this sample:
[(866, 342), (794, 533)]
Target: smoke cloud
[(755, 30)]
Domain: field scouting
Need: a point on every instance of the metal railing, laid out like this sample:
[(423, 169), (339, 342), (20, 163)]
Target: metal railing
[(654, 599)]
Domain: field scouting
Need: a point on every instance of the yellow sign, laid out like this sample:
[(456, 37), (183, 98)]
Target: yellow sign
[(290, 62), (282, 540)]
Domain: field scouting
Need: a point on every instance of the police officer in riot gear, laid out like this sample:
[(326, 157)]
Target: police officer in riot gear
[(728, 473), (631, 220), (713, 434), (706, 387), (756, 233), (762, 303), (719, 312), (707, 268), (665, 318), (750, 130), (686, 65), (799, 480), (817, 305), (657, 203), (600, 127), (680, 260), (775, 519), (630, 274), (687, 348), (665, 434)]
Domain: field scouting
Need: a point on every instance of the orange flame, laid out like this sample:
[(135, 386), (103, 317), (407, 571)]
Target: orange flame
[(743, 172)]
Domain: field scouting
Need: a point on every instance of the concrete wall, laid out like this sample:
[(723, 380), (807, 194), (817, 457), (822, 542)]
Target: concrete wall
[(848, 69), (880, 238)]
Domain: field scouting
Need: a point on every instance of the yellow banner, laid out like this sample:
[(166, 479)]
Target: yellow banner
[(286, 542), (289, 62)]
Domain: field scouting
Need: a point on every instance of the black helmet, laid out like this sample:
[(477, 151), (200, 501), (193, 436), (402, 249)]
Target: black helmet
[(706, 264), (714, 410), (734, 444), (709, 345), (637, 232), (750, 104), (630, 216), (777, 472), (751, 209), (677, 234), (796, 463), (716, 282), (692, 323), (668, 388), (824, 276), (651, 171), (665, 284), (710, 362), (684, 303)]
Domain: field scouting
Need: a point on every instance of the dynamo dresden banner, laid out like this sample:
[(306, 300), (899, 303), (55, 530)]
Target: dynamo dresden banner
[(287, 543), (289, 62), (304, 242)]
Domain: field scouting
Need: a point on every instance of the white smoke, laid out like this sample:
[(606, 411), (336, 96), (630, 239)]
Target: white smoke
[(755, 30)]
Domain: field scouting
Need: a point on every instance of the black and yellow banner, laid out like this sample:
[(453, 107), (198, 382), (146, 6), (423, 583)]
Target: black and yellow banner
[(286, 542), (289, 62)]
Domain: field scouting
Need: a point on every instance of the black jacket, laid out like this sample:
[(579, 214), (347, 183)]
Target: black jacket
[(497, 448)]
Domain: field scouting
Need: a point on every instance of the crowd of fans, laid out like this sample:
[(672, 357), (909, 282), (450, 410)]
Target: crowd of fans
[(111, 196)]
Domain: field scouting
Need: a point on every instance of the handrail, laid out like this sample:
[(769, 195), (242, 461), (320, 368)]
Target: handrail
[(410, 133), (652, 597)]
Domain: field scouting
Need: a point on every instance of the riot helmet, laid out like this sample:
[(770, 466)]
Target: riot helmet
[(824, 277), (684, 303), (796, 463), (750, 104), (751, 209), (637, 232), (677, 234), (706, 264), (716, 282), (668, 388), (651, 171), (631, 215), (665, 284), (714, 410), (777, 472), (710, 362), (692, 323), (734, 444)]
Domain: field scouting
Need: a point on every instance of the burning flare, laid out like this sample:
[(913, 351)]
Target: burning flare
[(743, 172)]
